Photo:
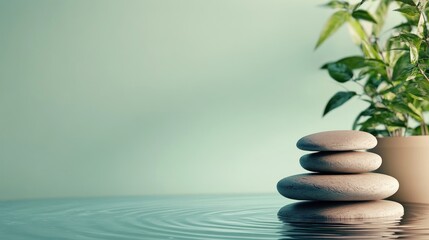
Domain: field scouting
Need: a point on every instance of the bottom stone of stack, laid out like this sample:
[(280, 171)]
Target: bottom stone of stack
[(314, 211), (338, 187)]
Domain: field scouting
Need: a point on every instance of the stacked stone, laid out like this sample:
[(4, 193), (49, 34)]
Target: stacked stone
[(342, 170)]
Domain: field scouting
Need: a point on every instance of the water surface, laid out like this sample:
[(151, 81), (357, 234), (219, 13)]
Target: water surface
[(189, 217)]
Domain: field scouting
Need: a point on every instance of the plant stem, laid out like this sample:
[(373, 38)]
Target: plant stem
[(423, 73), (424, 127), (407, 116), (388, 69), (358, 83)]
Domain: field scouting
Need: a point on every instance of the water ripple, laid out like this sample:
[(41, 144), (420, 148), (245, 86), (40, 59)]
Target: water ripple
[(188, 217)]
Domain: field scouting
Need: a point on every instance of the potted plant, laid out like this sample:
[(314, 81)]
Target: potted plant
[(392, 75)]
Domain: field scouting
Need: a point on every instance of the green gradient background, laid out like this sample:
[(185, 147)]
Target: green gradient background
[(160, 97)]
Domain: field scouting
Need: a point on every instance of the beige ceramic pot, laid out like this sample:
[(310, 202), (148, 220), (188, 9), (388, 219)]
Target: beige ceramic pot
[(407, 160)]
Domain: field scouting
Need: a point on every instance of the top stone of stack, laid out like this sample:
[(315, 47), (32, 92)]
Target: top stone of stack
[(340, 140)]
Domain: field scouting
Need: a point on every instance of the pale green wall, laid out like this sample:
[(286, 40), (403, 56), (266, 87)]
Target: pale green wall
[(161, 96)]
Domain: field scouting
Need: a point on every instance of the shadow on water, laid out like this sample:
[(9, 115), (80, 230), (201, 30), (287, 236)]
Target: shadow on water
[(331, 220)]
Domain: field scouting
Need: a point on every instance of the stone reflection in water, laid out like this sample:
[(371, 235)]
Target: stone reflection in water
[(347, 220)]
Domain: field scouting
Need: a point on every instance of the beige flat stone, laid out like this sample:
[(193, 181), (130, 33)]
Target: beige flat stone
[(341, 162), (339, 187), (341, 140), (312, 211)]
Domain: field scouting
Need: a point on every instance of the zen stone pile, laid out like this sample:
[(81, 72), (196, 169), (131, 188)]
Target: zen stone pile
[(342, 177)]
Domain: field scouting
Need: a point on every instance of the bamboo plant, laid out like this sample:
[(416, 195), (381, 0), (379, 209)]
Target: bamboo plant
[(392, 69)]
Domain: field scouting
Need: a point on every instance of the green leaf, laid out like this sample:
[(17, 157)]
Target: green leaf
[(382, 117), (391, 121), (337, 100), (413, 41), (370, 123), (421, 25), (401, 107), (365, 113), (417, 111), (414, 53), (363, 15), (339, 72), (337, 4), (409, 2), (410, 37), (353, 62), (425, 106), (406, 26), (376, 64), (371, 85), (392, 91), (357, 29), (378, 117), (419, 89), (380, 16), (368, 50), (332, 25), (408, 10), (401, 67)]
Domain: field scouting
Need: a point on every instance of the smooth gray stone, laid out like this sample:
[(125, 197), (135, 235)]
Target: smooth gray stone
[(312, 211), (341, 140), (341, 162), (339, 187)]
